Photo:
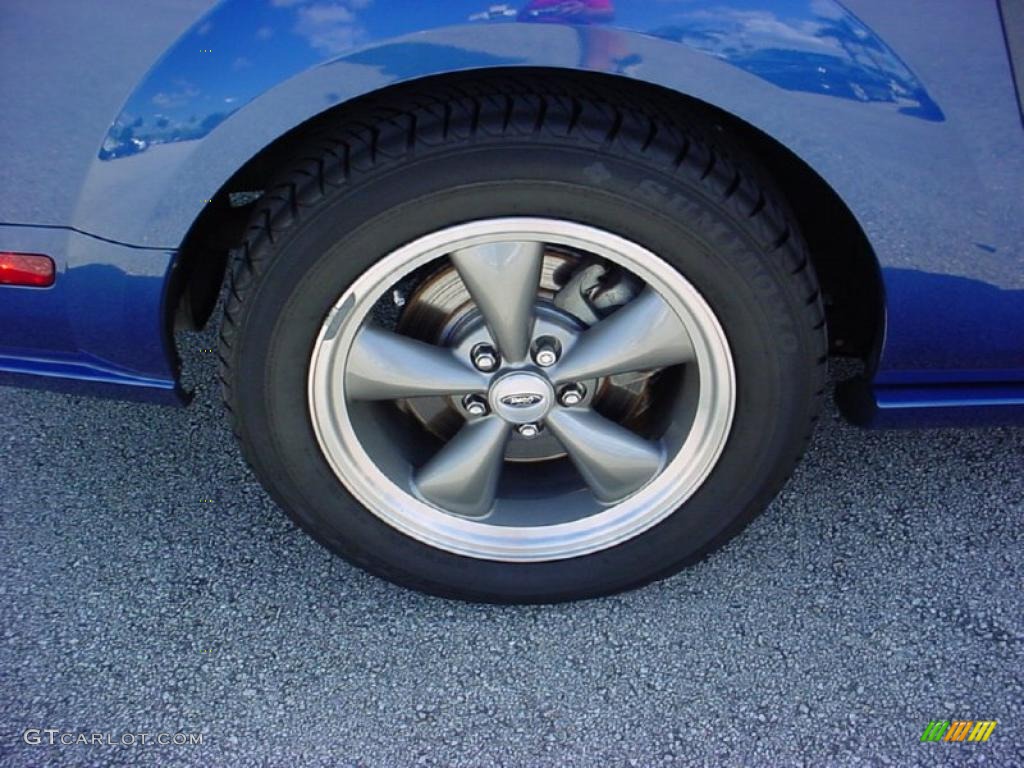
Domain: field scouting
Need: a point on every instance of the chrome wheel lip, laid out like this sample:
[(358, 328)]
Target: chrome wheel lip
[(680, 477)]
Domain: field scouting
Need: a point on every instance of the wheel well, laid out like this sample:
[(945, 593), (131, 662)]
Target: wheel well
[(844, 261), (841, 254)]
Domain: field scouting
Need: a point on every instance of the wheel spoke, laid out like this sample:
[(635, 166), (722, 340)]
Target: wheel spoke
[(384, 366), (502, 278), (614, 461), (642, 335), (463, 476)]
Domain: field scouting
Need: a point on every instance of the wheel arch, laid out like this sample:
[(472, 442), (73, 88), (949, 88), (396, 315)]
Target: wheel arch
[(842, 256)]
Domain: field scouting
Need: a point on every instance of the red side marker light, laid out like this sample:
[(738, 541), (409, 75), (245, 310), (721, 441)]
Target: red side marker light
[(31, 269)]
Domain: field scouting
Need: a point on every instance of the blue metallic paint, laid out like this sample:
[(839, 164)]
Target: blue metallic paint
[(94, 330), (924, 145)]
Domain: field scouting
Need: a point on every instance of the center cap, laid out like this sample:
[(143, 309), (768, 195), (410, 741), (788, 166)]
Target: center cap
[(521, 398)]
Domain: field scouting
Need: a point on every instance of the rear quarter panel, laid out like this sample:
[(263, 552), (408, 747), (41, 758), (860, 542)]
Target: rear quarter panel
[(908, 110)]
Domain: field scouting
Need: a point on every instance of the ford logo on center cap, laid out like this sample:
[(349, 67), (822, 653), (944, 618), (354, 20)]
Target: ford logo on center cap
[(524, 400)]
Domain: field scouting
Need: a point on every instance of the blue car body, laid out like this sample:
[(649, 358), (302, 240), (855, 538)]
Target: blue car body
[(122, 122)]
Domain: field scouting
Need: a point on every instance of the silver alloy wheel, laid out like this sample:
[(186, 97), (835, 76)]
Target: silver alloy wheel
[(454, 497)]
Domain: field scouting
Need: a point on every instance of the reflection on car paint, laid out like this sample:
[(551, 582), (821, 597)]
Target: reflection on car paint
[(801, 45)]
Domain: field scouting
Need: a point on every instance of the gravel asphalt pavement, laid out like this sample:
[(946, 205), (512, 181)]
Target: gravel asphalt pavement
[(149, 585)]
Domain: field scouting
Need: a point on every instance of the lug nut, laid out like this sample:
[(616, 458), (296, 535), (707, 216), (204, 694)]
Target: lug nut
[(529, 430), (571, 395), (485, 358), (546, 351), (475, 405), (546, 357)]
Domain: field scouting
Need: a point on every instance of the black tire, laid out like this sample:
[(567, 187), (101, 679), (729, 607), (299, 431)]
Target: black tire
[(413, 161)]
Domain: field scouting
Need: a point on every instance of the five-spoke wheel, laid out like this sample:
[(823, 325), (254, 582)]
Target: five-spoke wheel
[(518, 364), (522, 338)]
